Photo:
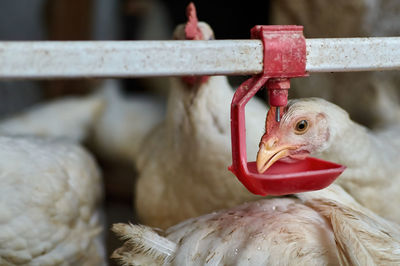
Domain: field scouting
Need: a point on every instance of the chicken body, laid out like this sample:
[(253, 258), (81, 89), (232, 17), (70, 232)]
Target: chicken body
[(319, 228), (49, 204), (183, 163)]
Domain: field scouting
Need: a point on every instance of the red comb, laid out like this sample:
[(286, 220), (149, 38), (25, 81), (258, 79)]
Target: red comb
[(192, 30)]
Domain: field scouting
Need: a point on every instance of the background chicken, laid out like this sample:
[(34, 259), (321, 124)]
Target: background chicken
[(322, 129), (183, 163), (125, 121), (69, 118), (320, 228), (49, 204), (112, 123)]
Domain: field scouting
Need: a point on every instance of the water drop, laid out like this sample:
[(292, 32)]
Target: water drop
[(236, 251)]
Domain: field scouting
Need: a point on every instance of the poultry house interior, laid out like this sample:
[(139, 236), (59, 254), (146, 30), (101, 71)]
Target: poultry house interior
[(156, 151)]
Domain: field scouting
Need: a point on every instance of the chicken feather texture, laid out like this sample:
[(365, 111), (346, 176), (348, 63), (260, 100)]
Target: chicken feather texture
[(49, 204), (326, 227)]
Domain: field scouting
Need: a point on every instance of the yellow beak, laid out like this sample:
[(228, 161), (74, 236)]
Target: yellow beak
[(268, 154)]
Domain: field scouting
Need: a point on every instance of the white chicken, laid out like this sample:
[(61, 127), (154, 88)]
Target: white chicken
[(49, 204), (318, 228), (320, 128), (183, 163), (69, 118), (125, 122), (113, 124)]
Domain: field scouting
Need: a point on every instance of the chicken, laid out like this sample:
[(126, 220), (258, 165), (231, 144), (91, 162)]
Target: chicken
[(366, 96), (49, 204), (112, 124), (183, 163), (322, 129), (123, 124), (70, 118), (318, 228)]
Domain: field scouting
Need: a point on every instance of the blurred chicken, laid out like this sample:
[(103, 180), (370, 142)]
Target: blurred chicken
[(322, 129), (49, 204), (124, 123), (69, 118), (183, 162), (113, 124), (319, 228)]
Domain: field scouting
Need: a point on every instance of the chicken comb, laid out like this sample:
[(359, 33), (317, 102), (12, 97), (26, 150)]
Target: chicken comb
[(192, 31)]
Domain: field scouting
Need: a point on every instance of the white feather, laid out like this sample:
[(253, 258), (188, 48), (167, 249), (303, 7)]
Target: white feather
[(142, 241)]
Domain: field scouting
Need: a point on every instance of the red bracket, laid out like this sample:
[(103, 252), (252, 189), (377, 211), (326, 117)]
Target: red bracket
[(284, 58)]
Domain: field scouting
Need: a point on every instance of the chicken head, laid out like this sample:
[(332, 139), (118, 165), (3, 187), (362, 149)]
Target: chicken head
[(193, 29), (303, 130)]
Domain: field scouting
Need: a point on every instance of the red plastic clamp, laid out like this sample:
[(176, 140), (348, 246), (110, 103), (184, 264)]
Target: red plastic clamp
[(284, 58)]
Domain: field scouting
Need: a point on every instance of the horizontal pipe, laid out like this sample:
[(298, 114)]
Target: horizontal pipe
[(353, 54), (43, 60), (129, 59)]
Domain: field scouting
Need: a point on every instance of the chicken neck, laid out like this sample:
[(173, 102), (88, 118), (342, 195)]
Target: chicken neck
[(372, 174)]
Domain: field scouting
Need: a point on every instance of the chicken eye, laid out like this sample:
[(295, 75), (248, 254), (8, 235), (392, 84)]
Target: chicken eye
[(301, 127)]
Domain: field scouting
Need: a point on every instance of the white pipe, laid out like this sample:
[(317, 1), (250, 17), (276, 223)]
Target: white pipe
[(353, 54), (34, 60), (129, 59)]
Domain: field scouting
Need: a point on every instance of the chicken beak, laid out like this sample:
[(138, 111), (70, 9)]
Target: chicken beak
[(269, 153)]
